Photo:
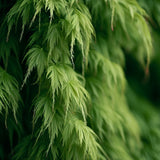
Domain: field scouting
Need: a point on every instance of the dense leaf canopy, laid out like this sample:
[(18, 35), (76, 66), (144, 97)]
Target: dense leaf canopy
[(76, 81)]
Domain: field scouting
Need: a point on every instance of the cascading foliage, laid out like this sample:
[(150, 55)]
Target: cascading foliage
[(63, 91)]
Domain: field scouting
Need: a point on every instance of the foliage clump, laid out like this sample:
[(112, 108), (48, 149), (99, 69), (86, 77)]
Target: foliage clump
[(63, 90)]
